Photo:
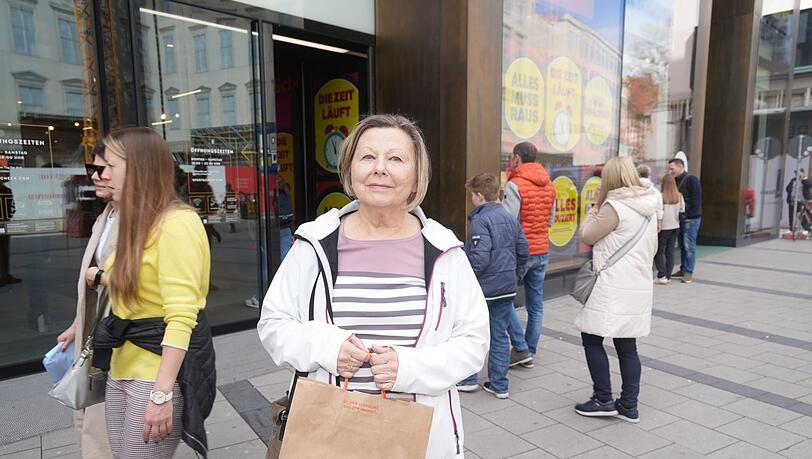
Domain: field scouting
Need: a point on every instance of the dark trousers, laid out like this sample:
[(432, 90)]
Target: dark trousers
[(598, 365), (5, 242), (793, 211), (665, 252)]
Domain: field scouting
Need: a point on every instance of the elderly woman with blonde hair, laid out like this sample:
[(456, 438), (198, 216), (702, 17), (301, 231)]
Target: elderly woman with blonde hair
[(377, 293), (620, 304)]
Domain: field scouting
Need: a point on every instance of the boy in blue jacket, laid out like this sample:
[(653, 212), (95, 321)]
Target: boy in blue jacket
[(497, 250)]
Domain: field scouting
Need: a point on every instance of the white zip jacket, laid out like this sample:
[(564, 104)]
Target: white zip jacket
[(451, 345)]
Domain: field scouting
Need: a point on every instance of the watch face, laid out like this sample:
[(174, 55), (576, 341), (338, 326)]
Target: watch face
[(157, 397)]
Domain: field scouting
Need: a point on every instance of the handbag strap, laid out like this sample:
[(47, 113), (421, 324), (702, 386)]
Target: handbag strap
[(625, 248)]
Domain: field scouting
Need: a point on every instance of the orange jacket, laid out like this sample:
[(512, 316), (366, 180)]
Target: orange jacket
[(537, 194)]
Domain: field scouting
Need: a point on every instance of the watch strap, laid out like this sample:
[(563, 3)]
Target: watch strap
[(97, 279)]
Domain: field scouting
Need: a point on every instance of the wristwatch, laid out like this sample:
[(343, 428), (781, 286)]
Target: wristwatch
[(158, 397), (98, 278)]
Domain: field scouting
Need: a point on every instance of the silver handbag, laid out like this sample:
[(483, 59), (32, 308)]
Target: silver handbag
[(586, 277), (83, 385)]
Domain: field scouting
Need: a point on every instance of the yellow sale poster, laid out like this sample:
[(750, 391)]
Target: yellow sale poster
[(563, 126), (598, 110), (566, 211), (588, 195), (336, 113), (524, 98)]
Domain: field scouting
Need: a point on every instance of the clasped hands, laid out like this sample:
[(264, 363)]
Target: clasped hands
[(382, 360)]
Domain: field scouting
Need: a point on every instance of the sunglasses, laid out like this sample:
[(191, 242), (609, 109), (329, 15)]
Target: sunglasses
[(94, 169)]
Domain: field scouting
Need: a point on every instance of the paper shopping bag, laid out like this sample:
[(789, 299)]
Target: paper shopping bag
[(328, 421)]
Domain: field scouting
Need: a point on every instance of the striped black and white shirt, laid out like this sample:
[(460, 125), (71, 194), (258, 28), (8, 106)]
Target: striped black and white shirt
[(380, 296)]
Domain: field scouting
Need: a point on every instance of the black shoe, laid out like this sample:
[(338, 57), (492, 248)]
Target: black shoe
[(490, 390), (678, 274), (12, 280), (627, 414), (595, 408), (520, 357)]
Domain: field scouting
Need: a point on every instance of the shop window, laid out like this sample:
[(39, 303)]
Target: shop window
[(30, 99), (229, 112), (170, 63), (203, 115), (22, 24), (201, 60), (173, 109), (74, 103), (226, 52), (68, 41)]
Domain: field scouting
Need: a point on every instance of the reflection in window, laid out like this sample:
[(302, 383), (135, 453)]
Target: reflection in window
[(201, 61), (229, 112), (203, 116), (226, 54), (68, 41), (170, 64), (22, 22), (74, 103), (30, 98), (173, 107)]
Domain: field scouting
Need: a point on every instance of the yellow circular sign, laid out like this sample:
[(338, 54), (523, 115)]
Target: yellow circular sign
[(334, 200), (336, 113), (524, 98), (563, 128), (588, 195), (598, 111), (566, 212)]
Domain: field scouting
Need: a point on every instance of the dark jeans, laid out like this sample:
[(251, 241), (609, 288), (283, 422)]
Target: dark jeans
[(688, 229), (598, 365), (665, 252)]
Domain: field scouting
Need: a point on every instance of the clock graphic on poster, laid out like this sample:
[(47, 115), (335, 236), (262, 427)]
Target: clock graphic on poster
[(562, 128), (332, 149)]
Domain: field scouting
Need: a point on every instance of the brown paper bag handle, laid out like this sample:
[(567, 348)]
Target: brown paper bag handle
[(346, 386)]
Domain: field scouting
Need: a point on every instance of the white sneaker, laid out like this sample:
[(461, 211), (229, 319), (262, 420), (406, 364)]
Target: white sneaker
[(467, 387), (662, 281), (252, 302)]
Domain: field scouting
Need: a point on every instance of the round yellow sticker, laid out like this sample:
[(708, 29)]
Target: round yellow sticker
[(334, 200), (336, 113), (588, 195), (524, 98), (598, 111), (563, 128), (566, 212)]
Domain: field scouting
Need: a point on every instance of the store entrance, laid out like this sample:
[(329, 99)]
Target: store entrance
[(319, 97)]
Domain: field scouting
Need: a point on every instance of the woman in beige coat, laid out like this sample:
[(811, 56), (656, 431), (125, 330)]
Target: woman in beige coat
[(90, 422), (619, 306)]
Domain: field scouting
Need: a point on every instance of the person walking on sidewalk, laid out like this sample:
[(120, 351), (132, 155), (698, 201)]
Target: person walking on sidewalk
[(691, 190), (530, 198), (156, 343), (376, 293), (672, 206), (90, 423), (497, 250), (619, 306)]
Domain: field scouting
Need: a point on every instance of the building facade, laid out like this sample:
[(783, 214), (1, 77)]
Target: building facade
[(255, 98)]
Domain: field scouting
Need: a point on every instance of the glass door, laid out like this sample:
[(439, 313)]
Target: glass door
[(199, 90)]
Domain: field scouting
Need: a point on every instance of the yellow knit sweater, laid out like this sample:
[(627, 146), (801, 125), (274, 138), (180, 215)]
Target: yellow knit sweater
[(173, 284)]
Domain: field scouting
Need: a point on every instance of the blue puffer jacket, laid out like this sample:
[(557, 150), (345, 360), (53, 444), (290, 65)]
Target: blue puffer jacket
[(497, 249)]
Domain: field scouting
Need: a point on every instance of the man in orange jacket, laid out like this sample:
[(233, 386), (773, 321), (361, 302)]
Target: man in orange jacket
[(530, 197)]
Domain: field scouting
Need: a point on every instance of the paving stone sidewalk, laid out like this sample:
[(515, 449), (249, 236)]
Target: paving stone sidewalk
[(727, 373)]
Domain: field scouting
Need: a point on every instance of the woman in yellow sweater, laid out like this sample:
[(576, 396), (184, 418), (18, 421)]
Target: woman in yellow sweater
[(158, 278)]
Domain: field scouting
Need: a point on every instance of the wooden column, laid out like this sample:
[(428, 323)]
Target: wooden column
[(728, 123), (440, 63)]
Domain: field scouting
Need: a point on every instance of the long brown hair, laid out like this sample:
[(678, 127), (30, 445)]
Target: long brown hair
[(671, 194), (148, 192)]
